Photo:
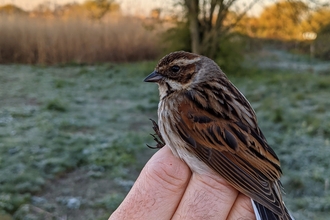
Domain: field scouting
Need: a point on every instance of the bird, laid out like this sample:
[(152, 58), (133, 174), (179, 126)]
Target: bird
[(208, 123)]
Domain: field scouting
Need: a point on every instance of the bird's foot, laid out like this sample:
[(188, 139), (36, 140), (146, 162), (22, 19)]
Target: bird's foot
[(157, 136)]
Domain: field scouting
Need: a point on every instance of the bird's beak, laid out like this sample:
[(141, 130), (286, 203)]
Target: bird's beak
[(153, 77)]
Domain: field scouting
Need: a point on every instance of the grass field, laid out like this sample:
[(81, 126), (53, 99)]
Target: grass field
[(72, 138)]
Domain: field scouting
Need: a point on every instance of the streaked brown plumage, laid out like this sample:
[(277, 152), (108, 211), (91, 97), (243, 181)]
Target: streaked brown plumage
[(208, 123)]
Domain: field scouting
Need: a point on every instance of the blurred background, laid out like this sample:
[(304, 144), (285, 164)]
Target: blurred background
[(74, 111)]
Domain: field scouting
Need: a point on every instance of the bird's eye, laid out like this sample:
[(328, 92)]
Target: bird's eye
[(175, 69)]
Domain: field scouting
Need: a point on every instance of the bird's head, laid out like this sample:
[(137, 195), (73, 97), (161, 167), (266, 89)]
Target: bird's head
[(182, 70)]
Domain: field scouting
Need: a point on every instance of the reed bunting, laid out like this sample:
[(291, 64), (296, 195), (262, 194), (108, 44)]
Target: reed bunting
[(208, 123)]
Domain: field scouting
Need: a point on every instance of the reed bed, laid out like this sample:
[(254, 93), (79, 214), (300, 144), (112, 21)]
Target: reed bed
[(31, 40)]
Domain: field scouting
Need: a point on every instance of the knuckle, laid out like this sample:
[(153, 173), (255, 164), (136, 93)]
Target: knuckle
[(170, 176)]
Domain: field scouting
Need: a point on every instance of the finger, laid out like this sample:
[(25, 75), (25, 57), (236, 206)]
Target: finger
[(158, 190), (206, 197), (242, 209)]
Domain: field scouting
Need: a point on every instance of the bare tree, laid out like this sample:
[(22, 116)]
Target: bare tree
[(207, 22), (211, 20)]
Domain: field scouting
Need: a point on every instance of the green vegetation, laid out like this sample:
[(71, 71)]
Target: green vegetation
[(322, 48), (77, 134), (54, 120)]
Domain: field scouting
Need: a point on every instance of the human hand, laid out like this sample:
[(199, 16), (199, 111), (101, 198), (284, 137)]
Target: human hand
[(166, 189)]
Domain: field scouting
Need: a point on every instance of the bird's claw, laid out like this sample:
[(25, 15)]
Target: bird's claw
[(157, 136)]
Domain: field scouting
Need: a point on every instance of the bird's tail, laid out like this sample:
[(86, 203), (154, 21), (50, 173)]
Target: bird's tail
[(263, 213)]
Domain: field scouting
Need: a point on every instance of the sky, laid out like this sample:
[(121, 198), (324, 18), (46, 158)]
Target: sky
[(132, 6), (128, 6)]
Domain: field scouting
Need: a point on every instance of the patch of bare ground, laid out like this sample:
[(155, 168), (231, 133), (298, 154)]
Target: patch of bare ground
[(74, 195)]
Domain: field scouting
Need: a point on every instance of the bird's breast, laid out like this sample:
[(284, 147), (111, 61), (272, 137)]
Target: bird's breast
[(167, 121)]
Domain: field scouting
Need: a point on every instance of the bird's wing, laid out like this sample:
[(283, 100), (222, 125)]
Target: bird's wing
[(231, 147)]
